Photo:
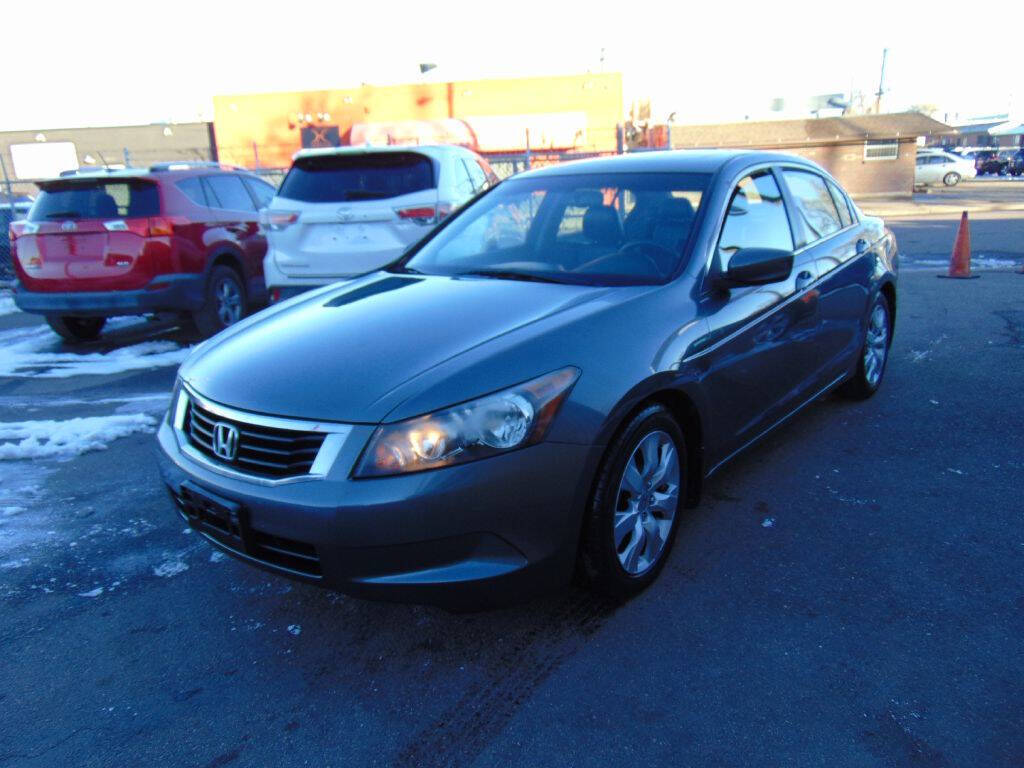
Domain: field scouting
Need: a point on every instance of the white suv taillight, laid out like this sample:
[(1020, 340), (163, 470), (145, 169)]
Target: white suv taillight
[(420, 214), (424, 214), (277, 220)]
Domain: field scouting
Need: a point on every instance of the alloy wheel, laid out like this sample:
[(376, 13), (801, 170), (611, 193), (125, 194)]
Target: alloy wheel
[(229, 302), (877, 347), (646, 503)]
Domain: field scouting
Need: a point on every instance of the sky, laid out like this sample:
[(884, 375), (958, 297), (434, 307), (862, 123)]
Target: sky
[(73, 64)]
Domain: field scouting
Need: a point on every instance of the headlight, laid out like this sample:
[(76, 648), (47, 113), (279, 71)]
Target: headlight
[(514, 418)]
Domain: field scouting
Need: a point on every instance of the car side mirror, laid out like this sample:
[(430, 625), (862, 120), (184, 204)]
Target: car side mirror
[(758, 266)]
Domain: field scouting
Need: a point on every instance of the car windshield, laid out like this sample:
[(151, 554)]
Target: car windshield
[(607, 229)]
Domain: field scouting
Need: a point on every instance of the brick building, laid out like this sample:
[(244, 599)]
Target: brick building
[(871, 155)]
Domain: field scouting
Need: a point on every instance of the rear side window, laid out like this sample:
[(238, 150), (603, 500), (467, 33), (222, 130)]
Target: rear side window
[(193, 189), (363, 176), (463, 180), (96, 200), (814, 204), (262, 191), (228, 192), (842, 204), (756, 218), (489, 174), (476, 175)]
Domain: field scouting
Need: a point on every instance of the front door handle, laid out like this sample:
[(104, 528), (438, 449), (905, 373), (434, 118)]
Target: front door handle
[(862, 246), (803, 279)]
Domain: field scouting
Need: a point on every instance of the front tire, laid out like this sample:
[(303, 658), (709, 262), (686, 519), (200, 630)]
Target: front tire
[(874, 354), (225, 302), (77, 329), (636, 504), (951, 179)]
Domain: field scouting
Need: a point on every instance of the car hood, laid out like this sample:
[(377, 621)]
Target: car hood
[(337, 355)]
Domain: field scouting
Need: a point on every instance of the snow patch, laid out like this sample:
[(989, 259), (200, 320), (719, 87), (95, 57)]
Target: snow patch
[(25, 354), (64, 439), (7, 305), (92, 592), (295, 629), (169, 568), (216, 556), (768, 522)]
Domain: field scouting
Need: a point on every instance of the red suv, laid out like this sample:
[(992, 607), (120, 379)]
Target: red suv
[(178, 237)]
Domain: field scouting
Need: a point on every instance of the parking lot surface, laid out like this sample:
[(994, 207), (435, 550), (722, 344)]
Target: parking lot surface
[(849, 593)]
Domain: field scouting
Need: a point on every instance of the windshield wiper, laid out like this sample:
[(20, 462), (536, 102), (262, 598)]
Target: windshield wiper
[(505, 274), (63, 215)]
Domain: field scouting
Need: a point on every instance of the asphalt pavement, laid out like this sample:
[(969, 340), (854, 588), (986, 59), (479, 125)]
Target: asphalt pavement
[(849, 593)]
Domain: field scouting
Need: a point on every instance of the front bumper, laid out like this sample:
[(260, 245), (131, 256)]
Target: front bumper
[(490, 532), (166, 293)]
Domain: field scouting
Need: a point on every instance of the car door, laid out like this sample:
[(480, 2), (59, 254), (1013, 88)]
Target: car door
[(924, 171), (237, 216), (761, 338), (830, 234)]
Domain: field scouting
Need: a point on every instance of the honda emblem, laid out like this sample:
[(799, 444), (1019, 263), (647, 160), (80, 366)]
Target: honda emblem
[(225, 441)]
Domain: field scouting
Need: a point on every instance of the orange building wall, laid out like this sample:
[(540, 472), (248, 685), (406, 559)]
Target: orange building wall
[(264, 128)]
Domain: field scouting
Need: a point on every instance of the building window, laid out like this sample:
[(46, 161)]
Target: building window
[(881, 150)]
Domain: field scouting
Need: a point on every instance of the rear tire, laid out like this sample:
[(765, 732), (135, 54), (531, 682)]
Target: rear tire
[(77, 329), (225, 302), (951, 179), (874, 354), (636, 505)]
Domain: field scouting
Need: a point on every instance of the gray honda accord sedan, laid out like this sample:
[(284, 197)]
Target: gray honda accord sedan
[(540, 386)]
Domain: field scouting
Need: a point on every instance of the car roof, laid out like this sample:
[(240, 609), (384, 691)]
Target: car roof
[(181, 169), (431, 150), (665, 161)]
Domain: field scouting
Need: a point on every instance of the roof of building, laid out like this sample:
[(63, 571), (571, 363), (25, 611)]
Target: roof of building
[(1008, 129), (814, 130), (979, 127)]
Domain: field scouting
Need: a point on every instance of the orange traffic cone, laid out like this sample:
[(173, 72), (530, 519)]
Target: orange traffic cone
[(960, 261)]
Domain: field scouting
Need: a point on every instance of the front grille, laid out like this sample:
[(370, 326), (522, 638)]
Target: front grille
[(262, 451)]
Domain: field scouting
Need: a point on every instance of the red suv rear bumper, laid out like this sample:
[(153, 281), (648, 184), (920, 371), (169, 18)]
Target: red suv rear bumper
[(166, 293)]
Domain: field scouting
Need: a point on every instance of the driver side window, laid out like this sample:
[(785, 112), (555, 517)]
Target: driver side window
[(756, 218)]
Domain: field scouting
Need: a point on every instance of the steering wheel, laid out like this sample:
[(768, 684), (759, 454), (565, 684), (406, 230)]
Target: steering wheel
[(638, 250)]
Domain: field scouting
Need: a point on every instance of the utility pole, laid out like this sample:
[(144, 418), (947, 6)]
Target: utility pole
[(881, 83)]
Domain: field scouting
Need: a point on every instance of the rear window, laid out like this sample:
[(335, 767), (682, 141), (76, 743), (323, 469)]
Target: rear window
[(344, 178), (96, 200)]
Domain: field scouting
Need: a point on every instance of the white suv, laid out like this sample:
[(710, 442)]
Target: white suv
[(345, 211)]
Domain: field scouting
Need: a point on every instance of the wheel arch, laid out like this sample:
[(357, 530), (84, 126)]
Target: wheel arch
[(684, 405), (225, 257), (888, 289)]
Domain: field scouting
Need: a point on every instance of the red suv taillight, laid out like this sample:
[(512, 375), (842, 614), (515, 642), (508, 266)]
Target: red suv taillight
[(153, 226), (18, 229)]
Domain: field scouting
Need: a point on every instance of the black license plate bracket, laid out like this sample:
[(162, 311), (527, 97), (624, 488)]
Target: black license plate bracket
[(214, 514)]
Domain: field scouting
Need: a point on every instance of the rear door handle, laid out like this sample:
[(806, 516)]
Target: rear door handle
[(862, 246), (803, 279)]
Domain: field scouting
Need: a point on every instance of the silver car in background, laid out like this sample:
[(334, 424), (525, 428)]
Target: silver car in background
[(346, 211), (935, 166)]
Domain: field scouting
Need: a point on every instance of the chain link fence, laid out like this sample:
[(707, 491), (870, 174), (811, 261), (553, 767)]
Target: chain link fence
[(6, 268)]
